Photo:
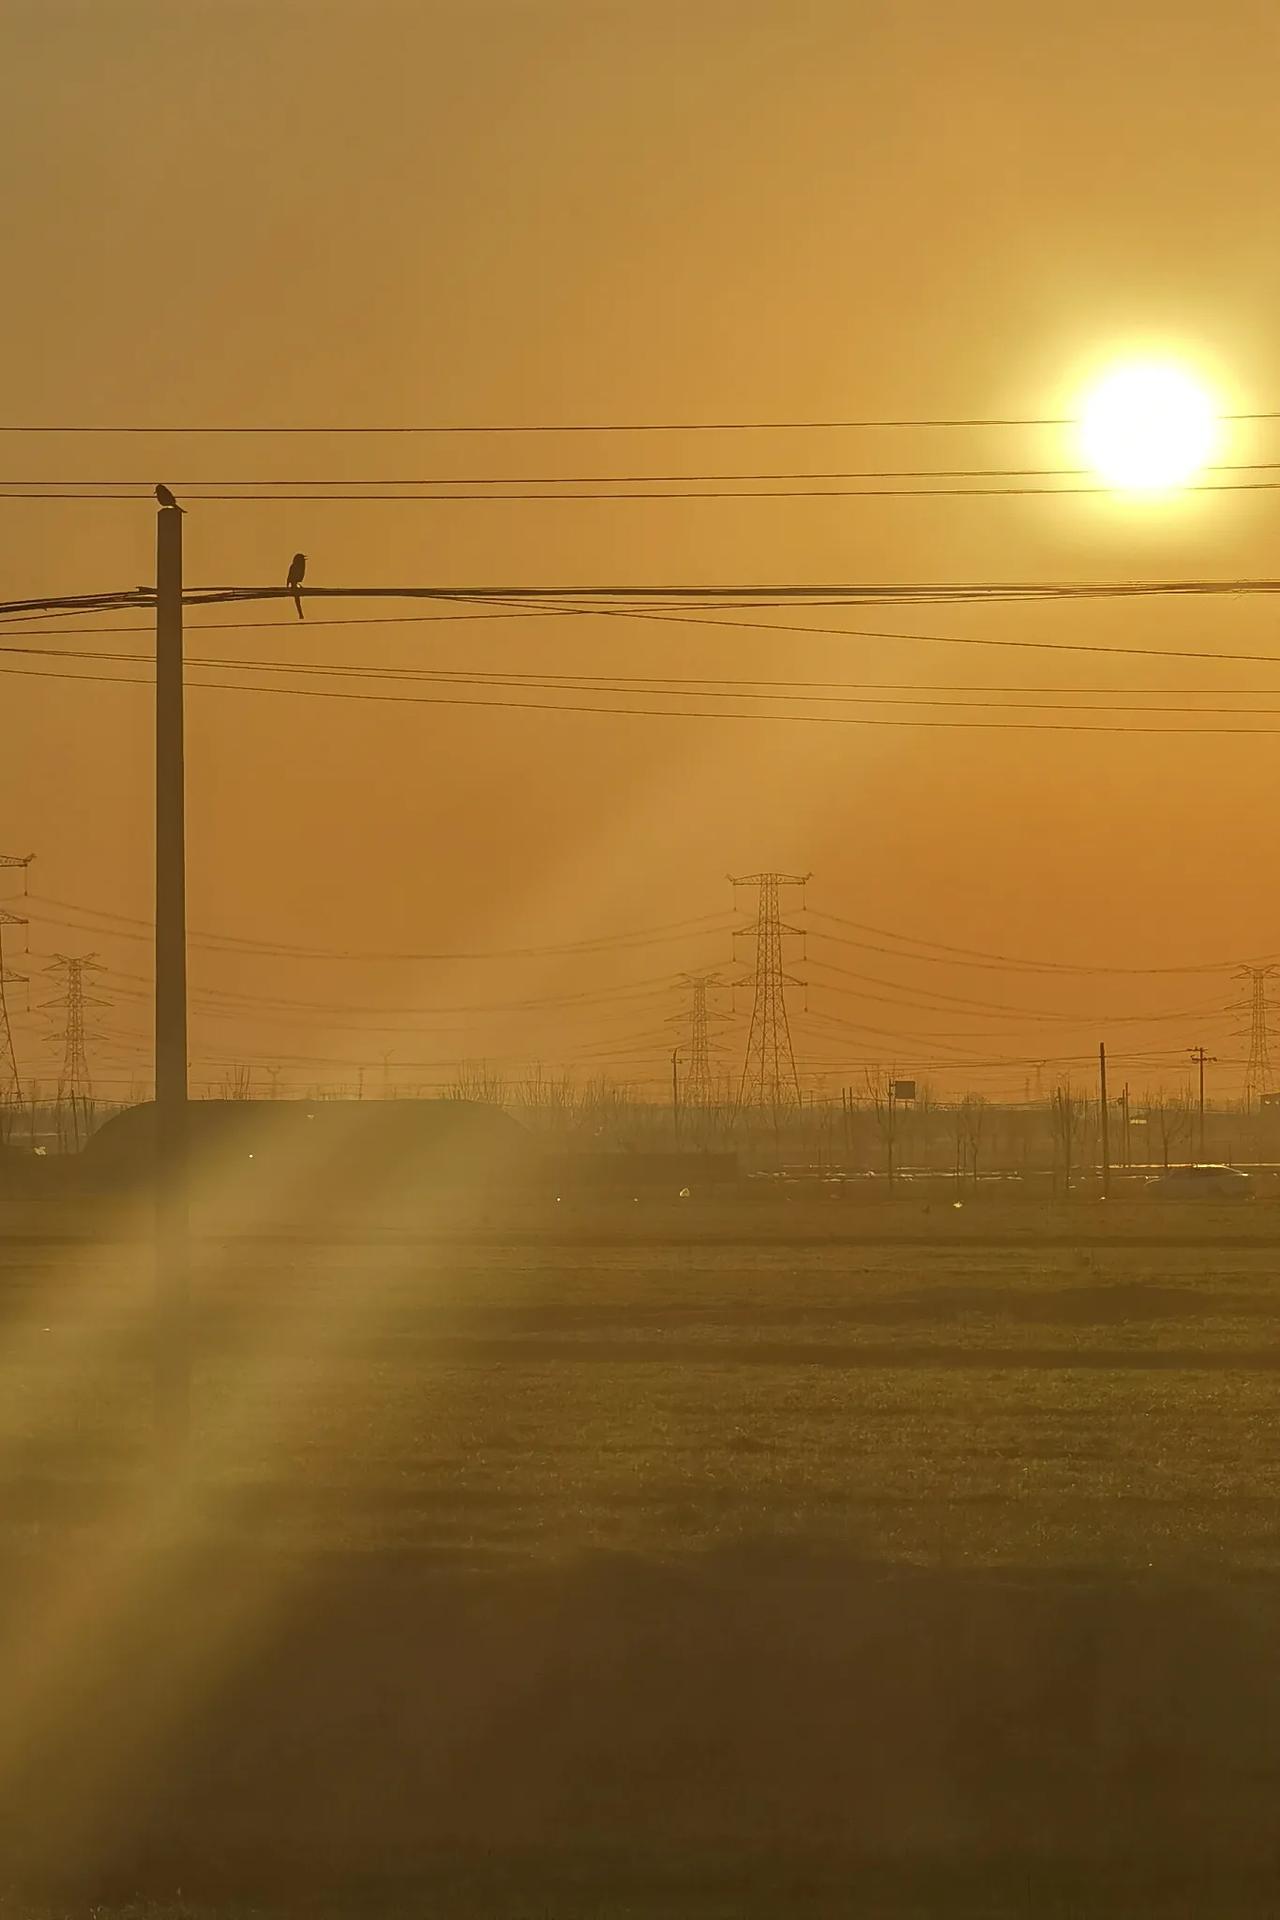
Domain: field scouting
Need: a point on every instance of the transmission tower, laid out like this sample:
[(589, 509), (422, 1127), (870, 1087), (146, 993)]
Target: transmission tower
[(10, 1080), (699, 1046), (74, 1081), (769, 1077), (1257, 1074)]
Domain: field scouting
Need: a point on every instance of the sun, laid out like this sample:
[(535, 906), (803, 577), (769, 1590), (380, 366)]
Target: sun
[(1148, 428)]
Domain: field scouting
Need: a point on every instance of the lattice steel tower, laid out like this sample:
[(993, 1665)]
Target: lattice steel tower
[(699, 1044), (74, 1081), (769, 1077), (10, 1080), (1257, 1074)]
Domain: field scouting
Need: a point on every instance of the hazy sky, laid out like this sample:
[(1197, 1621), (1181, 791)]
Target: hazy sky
[(506, 212)]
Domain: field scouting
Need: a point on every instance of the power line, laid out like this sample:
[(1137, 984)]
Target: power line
[(1007, 962), (694, 596), (597, 494), (951, 639), (133, 428), (742, 477), (748, 626), (637, 713), (869, 693), (702, 924), (949, 1002), (267, 626)]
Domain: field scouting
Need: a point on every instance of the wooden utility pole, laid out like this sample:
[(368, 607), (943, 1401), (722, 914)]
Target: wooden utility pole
[(173, 1279), (1106, 1120), (1201, 1059), (675, 1095)]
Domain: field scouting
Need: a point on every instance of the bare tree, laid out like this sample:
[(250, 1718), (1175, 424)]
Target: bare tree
[(1067, 1116), (1172, 1115), (971, 1120), (1018, 1133), (547, 1100), (473, 1080), (884, 1109), (922, 1122)]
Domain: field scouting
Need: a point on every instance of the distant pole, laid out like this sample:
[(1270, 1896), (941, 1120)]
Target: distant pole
[(675, 1095), (1106, 1127), (1124, 1109), (173, 1279), (1200, 1057), (890, 1139)]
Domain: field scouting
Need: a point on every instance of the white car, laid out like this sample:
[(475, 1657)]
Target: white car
[(1201, 1183)]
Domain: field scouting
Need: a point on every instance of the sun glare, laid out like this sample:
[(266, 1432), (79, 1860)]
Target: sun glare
[(1148, 428)]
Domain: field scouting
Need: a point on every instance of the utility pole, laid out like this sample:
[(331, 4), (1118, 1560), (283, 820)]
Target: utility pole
[(173, 1273), (769, 1077), (1202, 1059), (1105, 1115), (1126, 1144), (891, 1105), (675, 1095)]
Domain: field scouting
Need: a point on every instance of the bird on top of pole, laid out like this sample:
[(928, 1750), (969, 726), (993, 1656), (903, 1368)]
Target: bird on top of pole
[(297, 571), (165, 496)]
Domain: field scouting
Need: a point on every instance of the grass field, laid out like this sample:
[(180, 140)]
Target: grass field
[(698, 1553)]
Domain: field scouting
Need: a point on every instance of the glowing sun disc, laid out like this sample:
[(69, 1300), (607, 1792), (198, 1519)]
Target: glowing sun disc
[(1148, 428)]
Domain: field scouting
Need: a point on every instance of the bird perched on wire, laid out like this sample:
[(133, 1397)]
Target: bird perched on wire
[(297, 571), (165, 497)]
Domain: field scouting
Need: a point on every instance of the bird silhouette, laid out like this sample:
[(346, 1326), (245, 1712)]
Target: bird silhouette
[(166, 499), (297, 571)]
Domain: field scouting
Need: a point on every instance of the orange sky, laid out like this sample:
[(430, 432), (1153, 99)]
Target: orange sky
[(564, 210)]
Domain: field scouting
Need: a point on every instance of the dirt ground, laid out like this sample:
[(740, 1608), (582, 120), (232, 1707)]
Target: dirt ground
[(658, 1560)]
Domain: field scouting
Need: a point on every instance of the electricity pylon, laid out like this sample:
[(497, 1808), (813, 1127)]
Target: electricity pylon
[(699, 1046), (1257, 1074), (769, 1077), (74, 1080), (10, 1080)]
